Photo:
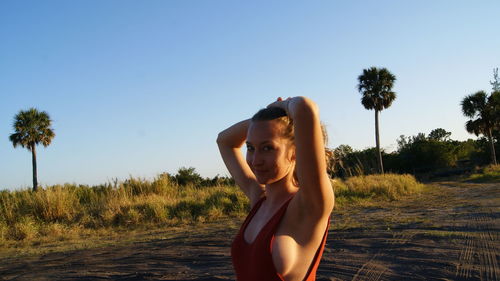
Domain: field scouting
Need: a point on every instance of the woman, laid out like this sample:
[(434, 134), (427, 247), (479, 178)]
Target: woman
[(291, 197)]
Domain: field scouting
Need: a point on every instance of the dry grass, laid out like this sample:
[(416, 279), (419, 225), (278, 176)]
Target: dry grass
[(362, 189), (81, 213), (64, 211)]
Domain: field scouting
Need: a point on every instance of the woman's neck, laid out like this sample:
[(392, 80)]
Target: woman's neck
[(282, 190)]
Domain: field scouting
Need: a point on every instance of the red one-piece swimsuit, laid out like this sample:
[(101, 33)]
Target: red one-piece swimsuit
[(254, 262)]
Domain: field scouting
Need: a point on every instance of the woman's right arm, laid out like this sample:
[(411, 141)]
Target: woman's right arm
[(230, 142)]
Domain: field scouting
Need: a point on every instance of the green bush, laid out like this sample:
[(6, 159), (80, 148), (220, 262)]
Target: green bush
[(188, 176)]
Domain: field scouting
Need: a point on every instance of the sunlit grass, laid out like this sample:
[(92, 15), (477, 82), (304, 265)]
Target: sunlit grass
[(65, 211), (362, 189), (489, 173), (75, 213)]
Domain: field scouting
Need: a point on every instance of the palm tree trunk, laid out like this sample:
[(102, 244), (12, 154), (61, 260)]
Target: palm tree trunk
[(33, 158), (377, 141), (492, 148)]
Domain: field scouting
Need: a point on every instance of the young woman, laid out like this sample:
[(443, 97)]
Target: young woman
[(291, 197)]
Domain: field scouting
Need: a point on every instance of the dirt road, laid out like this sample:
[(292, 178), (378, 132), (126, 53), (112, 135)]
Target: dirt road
[(449, 233)]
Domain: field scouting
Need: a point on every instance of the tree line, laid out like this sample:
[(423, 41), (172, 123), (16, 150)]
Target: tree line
[(415, 154), (432, 154)]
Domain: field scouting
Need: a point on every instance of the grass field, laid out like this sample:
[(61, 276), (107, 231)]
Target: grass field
[(76, 212)]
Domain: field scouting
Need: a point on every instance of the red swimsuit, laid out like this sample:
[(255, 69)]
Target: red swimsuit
[(254, 262)]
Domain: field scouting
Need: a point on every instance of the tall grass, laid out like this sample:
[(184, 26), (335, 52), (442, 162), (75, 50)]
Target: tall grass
[(386, 186), (60, 211)]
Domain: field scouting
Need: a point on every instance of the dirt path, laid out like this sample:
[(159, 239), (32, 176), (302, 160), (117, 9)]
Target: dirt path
[(450, 233)]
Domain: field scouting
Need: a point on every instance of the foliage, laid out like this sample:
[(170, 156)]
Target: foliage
[(424, 154), (376, 87), (489, 173), (484, 114), (31, 128), (432, 153), (480, 154), (481, 109), (419, 154), (439, 134), (348, 162), (189, 176)]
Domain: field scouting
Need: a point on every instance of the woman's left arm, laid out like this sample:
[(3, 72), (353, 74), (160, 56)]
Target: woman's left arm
[(315, 193)]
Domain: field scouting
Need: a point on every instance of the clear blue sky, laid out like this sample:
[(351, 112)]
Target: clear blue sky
[(143, 87)]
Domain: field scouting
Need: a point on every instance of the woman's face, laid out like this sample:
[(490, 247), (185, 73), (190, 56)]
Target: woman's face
[(270, 156)]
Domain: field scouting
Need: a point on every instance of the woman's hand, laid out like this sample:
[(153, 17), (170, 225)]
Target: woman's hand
[(283, 104), (296, 106)]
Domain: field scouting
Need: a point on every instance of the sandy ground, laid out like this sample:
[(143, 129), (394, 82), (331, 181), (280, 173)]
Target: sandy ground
[(450, 233)]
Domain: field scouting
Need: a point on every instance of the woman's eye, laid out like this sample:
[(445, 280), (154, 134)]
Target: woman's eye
[(250, 148), (267, 148)]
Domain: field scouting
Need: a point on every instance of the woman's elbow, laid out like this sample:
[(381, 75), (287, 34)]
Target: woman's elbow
[(306, 105), (220, 138)]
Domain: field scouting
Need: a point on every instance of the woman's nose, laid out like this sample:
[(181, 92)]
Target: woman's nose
[(257, 159)]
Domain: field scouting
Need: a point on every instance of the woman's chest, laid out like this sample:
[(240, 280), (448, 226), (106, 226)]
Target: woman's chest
[(261, 221)]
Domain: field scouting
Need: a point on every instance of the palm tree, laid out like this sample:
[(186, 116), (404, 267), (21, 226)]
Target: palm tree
[(484, 117), (32, 127), (375, 85)]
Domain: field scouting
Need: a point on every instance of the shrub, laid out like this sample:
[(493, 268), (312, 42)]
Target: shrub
[(188, 176)]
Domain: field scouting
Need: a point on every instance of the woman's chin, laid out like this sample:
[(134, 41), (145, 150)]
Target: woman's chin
[(266, 180), (267, 177), (262, 181)]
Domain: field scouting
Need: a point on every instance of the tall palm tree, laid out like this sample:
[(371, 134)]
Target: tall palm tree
[(484, 117), (32, 127), (375, 84)]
